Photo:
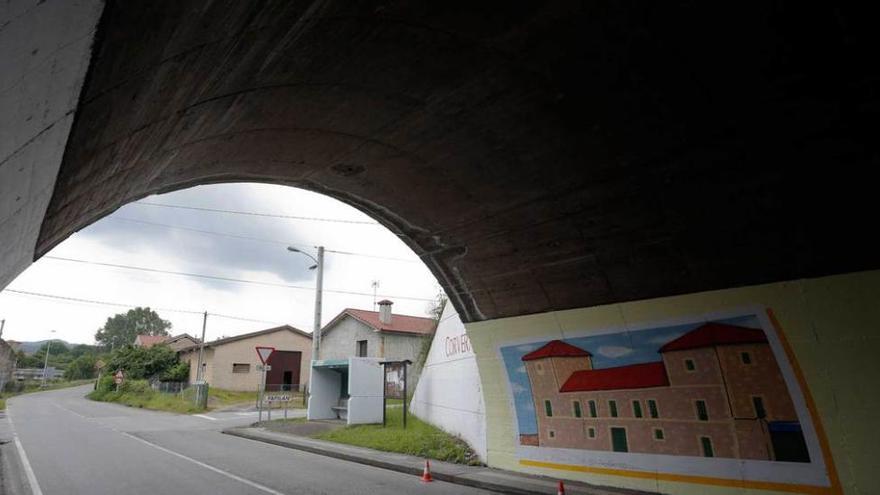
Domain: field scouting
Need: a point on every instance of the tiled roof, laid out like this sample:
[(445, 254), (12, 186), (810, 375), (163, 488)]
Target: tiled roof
[(150, 340), (249, 335), (556, 348), (713, 334), (399, 323), (642, 375)]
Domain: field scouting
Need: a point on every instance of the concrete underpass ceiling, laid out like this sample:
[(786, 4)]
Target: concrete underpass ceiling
[(536, 156)]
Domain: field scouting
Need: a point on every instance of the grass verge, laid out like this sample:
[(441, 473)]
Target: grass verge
[(419, 439), (137, 393)]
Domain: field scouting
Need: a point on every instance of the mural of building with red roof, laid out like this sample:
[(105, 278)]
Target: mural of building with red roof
[(716, 391)]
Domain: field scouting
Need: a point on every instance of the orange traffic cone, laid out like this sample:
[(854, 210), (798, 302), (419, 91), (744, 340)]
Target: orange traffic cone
[(426, 475), (561, 489)]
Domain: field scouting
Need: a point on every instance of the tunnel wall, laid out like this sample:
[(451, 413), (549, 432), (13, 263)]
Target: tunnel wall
[(819, 331)]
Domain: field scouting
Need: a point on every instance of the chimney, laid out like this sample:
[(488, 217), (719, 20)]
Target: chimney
[(385, 311)]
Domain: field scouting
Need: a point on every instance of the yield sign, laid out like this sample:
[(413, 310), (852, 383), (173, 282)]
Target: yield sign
[(264, 353)]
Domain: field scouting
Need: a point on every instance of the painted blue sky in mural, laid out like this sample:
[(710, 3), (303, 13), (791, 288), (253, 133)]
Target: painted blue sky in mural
[(609, 350)]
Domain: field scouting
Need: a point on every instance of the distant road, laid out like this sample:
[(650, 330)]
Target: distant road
[(76, 446)]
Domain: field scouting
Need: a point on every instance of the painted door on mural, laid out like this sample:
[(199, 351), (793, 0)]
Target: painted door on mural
[(618, 440)]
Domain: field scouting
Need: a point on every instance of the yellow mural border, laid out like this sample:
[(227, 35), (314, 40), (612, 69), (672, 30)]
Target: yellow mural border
[(834, 489)]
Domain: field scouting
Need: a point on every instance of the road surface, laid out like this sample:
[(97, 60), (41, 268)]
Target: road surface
[(77, 446)]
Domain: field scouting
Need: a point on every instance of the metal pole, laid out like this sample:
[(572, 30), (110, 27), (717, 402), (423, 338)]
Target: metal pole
[(260, 394), (319, 285), (46, 364), (404, 395), (2, 326), (202, 347)]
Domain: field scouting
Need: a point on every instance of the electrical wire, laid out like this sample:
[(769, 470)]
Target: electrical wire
[(230, 279), (257, 214)]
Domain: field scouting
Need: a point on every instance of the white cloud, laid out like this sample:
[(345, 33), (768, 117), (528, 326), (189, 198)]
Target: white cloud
[(614, 351), (665, 338), (143, 245), (518, 388), (527, 347), (521, 369)]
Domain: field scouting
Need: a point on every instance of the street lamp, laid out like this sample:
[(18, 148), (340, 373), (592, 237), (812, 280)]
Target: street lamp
[(46, 363), (319, 266)]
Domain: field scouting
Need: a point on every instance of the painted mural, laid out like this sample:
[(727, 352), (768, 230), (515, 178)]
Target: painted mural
[(718, 389)]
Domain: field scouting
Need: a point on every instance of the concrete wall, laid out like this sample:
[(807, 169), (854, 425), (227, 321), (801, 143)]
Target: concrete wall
[(341, 341), (449, 394), (45, 49), (823, 333)]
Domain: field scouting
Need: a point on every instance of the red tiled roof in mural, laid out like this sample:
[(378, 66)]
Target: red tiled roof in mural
[(399, 323), (556, 348), (712, 334), (642, 375)]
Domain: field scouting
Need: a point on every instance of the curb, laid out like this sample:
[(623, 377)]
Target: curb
[(417, 471)]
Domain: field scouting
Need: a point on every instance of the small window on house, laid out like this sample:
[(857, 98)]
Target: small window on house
[(637, 409), (706, 443), (760, 411), (746, 358), (612, 407), (361, 348), (539, 367), (652, 408), (689, 365), (593, 412), (551, 433), (591, 432), (658, 434), (241, 368), (548, 408), (702, 412), (577, 408)]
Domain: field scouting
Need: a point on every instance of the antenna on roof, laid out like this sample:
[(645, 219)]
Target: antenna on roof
[(375, 285)]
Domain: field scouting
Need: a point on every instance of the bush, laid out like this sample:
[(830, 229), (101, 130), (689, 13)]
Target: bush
[(140, 363), (177, 373), (81, 368)]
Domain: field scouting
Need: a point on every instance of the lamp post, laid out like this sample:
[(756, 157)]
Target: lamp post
[(46, 362), (319, 266)]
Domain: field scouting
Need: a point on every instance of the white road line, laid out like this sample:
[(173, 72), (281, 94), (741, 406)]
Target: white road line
[(25, 463), (206, 466), (204, 417)]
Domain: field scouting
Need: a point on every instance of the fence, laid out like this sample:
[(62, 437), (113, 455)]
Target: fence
[(177, 388)]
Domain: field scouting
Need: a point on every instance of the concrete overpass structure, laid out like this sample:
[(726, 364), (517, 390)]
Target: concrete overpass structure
[(563, 169)]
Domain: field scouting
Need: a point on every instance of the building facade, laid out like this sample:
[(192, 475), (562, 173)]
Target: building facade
[(377, 334), (232, 363), (717, 391)]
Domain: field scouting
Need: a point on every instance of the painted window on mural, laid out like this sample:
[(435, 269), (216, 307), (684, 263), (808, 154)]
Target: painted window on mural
[(760, 412), (618, 440), (706, 444), (637, 409), (640, 369)]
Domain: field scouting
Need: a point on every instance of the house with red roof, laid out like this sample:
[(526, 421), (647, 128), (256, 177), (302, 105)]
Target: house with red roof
[(716, 391), (147, 341), (377, 334)]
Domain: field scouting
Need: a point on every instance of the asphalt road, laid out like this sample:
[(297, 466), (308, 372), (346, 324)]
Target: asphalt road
[(76, 446)]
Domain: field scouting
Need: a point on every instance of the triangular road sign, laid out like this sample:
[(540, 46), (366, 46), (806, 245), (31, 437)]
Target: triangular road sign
[(264, 353)]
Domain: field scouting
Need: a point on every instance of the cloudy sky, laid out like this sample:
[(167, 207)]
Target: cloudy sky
[(252, 248)]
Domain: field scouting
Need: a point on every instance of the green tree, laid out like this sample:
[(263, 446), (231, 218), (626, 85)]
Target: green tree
[(81, 368), (121, 329), (141, 363)]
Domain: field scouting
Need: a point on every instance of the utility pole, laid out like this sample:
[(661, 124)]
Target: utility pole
[(319, 285), (199, 376), (2, 326), (46, 362), (375, 285)]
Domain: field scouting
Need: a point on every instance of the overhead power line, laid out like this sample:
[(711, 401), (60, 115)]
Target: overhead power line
[(257, 214), (124, 305), (229, 279), (257, 239)]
